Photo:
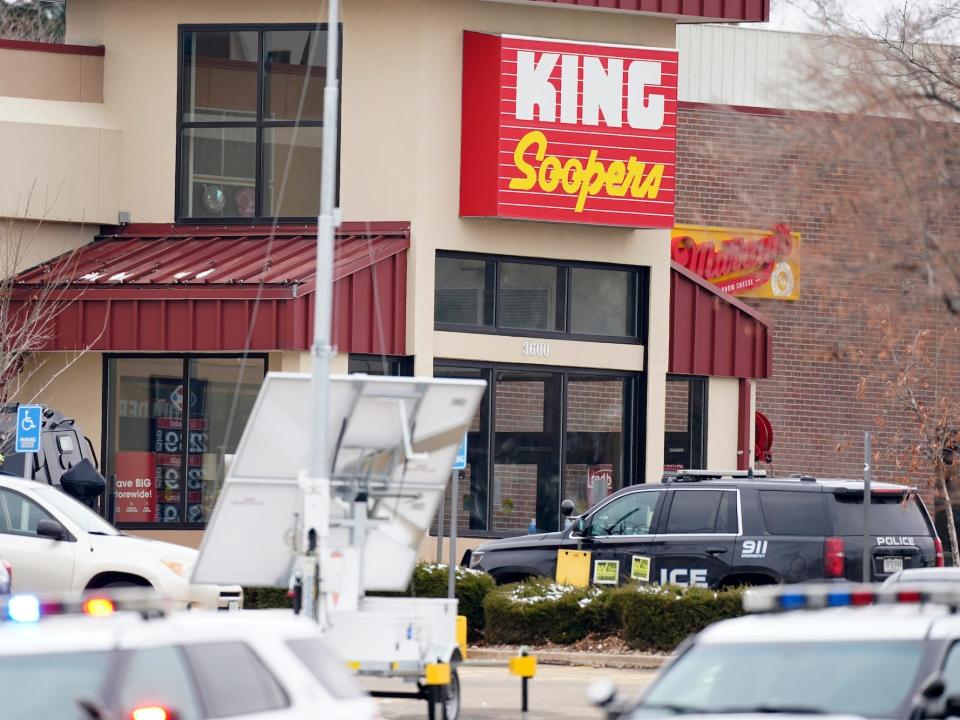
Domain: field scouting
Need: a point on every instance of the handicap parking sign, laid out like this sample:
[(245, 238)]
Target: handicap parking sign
[(460, 461), (28, 428)]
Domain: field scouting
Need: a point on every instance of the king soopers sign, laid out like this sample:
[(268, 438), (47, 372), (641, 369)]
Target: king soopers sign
[(568, 132)]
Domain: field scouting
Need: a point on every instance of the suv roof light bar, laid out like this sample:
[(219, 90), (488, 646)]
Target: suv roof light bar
[(815, 597), (29, 608), (698, 475)]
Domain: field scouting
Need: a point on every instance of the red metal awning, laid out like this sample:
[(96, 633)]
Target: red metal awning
[(713, 333), (684, 10), (170, 288)]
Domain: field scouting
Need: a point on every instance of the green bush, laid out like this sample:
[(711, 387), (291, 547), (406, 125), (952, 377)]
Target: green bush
[(265, 598), (647, 617)]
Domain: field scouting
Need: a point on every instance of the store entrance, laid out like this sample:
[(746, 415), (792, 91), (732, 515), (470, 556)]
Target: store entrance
[(542, 435), (526, 451)]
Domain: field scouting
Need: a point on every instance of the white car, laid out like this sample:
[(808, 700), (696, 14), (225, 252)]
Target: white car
[(57, 544), (820, 649), (256, 664)]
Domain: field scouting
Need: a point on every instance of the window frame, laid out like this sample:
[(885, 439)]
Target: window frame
[(634, 423), (109, 505), (658, 509), (259, 124), (698, 412), (68, 536), (637, 309)]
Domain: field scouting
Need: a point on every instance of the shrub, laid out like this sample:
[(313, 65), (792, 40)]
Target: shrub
[(539, 610), (265, 598), (472, 587), (647, 617)]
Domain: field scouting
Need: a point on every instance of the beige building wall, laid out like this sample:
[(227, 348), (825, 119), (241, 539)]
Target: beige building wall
[(723, 404), (70, 382), (25, 244), (45, 75)]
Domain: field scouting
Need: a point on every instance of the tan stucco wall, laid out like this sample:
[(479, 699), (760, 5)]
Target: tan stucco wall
[(68, 382), (51, 75), (723, 403), (61, 161), (24, 244)]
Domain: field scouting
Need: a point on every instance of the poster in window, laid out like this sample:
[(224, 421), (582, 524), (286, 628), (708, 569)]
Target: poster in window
[(135, 494), (167, 401)]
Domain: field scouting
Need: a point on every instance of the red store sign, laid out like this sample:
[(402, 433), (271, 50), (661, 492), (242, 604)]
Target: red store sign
[(566, 131)]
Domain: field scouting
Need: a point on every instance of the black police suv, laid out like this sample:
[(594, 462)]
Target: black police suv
[(721, 530)]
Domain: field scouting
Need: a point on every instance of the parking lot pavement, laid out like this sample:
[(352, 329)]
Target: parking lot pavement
[(491, 692)]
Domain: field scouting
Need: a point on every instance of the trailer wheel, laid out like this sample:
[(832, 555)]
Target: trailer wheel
[(451, 696)]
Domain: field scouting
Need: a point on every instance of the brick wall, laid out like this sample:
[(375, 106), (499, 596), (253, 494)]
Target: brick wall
[(738, 169), (677, 406)]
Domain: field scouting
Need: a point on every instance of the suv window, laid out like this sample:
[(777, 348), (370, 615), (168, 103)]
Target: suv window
[(18, 515), (631, 514), (793, 512), (889, 515), (233, 680), (157, 676), (702, 511)]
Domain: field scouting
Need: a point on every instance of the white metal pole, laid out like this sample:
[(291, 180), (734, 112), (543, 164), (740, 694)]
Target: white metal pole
[(867, 477), (452, 569), (322, 348)]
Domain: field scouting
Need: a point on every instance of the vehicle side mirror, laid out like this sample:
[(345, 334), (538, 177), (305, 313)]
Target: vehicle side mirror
[(581, 527), (567, 507), (51, 529), (951, 708)]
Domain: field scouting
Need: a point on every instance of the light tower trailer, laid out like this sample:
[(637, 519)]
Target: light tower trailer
[(334, 539)]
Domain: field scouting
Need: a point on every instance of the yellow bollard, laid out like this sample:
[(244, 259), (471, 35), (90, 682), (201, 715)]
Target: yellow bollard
[(462, 635)]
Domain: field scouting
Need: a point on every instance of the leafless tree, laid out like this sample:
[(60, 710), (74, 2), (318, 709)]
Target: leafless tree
[(37, 20)]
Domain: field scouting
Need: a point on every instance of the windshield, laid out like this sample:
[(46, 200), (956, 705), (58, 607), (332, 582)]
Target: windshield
[(67, 677), (889, 515), (869, 678), (84, 517)]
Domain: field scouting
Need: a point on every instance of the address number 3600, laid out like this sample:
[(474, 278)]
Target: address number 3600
[(535, 349)]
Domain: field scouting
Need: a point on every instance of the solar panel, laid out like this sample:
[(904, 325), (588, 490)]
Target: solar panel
[(393, 439)]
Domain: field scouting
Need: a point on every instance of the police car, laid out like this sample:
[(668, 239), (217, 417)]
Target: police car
[(98, 657), (856, 650), (728, 529)]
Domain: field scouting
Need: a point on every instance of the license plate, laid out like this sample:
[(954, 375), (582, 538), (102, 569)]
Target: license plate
[(892, 564)]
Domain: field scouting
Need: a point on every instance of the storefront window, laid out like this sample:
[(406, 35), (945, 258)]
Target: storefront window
[(463, 291), (602, 302), (529, 297), (250, 123), (594, 467), (171, 424), (490, 294), (380, 365), (685, 429), (555, 434)]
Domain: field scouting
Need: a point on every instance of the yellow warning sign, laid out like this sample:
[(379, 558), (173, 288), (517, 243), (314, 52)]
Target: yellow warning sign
[(640, 568), (606, 572), (573, 567)]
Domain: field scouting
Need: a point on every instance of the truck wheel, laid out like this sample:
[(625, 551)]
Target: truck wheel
[(451, 696)]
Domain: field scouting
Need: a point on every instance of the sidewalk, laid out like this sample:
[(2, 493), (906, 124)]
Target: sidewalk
[(626, 661)]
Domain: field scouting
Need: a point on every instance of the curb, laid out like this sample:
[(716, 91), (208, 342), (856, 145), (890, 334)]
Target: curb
[(484, 656)]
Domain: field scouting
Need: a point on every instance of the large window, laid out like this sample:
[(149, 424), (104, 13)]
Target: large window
[(172, 424), (250, 122), (541, 435), (514, 296)]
